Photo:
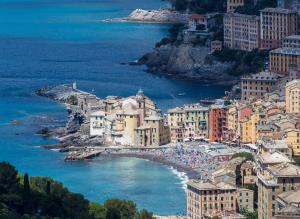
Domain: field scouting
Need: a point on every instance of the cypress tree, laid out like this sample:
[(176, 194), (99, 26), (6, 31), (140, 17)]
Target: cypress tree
[(26, 193), (48, 189)]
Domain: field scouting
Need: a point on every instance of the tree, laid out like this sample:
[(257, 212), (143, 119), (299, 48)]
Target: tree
[(9, 181), (144, 214), (97, 211), (26, 194), (127, 208), (249, 214), (181, 5), (48, 188)]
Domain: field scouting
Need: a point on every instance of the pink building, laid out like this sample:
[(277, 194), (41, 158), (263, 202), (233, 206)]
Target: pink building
[(245, 112)]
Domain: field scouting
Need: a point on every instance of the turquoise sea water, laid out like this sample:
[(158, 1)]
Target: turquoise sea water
[(47, 42)]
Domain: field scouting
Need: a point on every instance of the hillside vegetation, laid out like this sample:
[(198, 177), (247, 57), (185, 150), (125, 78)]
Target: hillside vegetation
[(24, 197)]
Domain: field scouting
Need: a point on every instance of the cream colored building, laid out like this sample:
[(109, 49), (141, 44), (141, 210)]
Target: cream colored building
[(292, 96), (272, 181), (232, 5), (233, 121), (292, 138), (153, 132), (126, 123), (245, 199), (257, 85), (276, 24), (241, 31)]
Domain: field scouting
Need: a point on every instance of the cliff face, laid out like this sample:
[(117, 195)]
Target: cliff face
[(188, 62)]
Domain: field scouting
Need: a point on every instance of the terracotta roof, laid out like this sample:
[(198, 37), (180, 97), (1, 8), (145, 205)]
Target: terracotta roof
[(198, 16)]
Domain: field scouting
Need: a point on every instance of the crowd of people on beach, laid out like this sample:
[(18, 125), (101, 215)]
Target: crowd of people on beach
[(192, 157)]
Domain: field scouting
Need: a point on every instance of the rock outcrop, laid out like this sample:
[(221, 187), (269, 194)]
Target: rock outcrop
[(158, 16), (188, 62), (74, 133)]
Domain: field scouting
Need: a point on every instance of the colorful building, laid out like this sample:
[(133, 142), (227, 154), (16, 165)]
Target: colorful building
[(188, 122), (218, 126)]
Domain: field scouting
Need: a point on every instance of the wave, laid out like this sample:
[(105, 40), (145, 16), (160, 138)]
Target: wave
[(182, 176)]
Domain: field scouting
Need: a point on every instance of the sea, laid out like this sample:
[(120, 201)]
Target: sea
[(51, 42)]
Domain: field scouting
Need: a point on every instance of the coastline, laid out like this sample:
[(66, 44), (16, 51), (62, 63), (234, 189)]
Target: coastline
[(76, 143)]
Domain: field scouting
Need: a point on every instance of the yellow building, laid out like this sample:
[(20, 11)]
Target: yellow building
[(176, 117), (273, 181), (233, 121), (232, 5), (292, 97), (153, 132), (127, 122), (281, 59), (292, 138), (249, 133)]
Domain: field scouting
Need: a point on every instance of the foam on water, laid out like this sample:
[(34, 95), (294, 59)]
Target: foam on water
[(181, 175)]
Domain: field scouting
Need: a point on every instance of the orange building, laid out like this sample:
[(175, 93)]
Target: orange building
[(217, 123)]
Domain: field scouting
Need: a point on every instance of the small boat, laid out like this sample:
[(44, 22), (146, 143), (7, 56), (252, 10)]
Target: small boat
[(181, 94)]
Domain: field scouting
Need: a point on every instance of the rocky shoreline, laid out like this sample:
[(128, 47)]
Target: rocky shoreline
[(153, 16), (188, 62), (74, 133)]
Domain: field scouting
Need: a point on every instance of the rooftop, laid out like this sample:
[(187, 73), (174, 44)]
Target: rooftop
[(292, 37), (285, 169), (292, 83), (198, 16), (287, 51), (176, 110), (279, 10), (290, 197), (208, 185), (98, 113), (273, 158), (264, 75), (275, 144), (242, 16)]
